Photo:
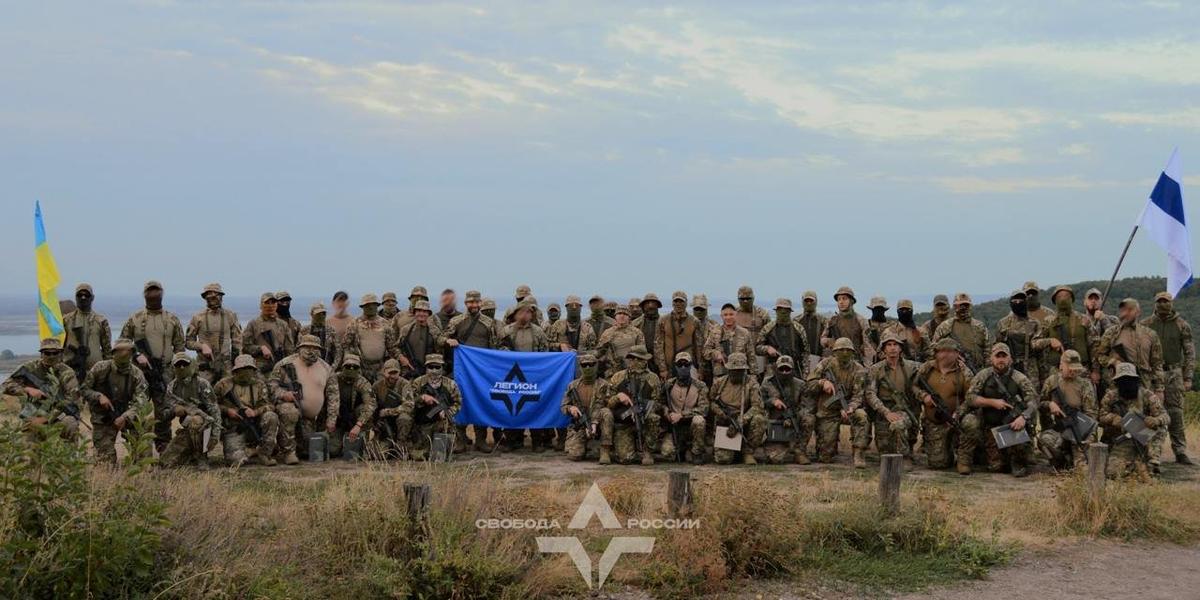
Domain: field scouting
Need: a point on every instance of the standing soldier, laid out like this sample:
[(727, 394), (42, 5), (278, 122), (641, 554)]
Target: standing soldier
[(616, 342), (355, 403), (340, 320), (783, 336), (392, 392), (553, 313), (477, 330), (634, 399), (999, 396), (786, 402), (599, 321), (48, 391), (706, 326), (610, 309), (725, 340), (850, 325), (679, 332), (686, 403), (941, 312), (571, 334), (941, 384), (1037, 312), (916, 344), (839, 384), (522, 294), (970, 333), (193, 403), (635, 308), (753, 318), (116, 393), (402, 318), (157, 335), (1019, 331), (1067, 391), (813, 323), (301, 385), (417, 340), (430, 409), (1100, 321), (1139, 345), (215, 335), (648, 324), (283, 309), (488, 308), (879, 321), (267, 338), (1065, 330), (390, 307), (890, 397), (248, 413), (1179, 360), (447, 309), (736, 402), (1126, 395), (372, 338), (522, 335), (89, 339), (331, 350), (583, 403)]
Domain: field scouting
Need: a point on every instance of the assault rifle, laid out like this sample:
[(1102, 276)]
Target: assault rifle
[(391, 400), (1076, 422), (443, 402), (156, 384), (80, 351), (583, 421), (53, 393), (246, 425), (637, 411), (940, 413), (788, 413), (837, 390)]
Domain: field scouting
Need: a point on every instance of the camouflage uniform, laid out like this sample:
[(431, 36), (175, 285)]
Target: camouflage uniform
[(851, 381), (688, 399), (615, 344), (524, 295), (284, 301), (408, 315), (849, 324), (978, 421), (478, 331), (876, 328), (389, 305), (237, 432), (355, 405), (269, 331), (677, 332), (221, 330), (813, 324), (790, 390), (648, 323), (615, 426), (941, 312), (124, 387), (1037, 311), (331, 349), (915, 344), (313, 387), (86, 329), (1073, 331), (193, 395), (889, 390), (61, 398), (970, 333), (163, 334), (1139, 345), (374, 340), (939, 438), (416, 343), (1125, 455), (1078, 393), (599, 321), (740, 402), (784, 337), (588, 397), (706, 326), (723, 342), (390, 397), (578, 336), (1179, 360), (415, 425), (1019, 332), (1100, 321)]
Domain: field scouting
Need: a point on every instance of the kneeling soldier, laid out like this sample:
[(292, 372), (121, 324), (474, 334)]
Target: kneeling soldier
[(634, 403), (839, 384), (999, 396), (190, 398), (737, 405), (48, 391), (116, 393), (686, 399), (889, 390), (583, 402), (248, 413), (354, 407), (391, 392), (789, 409), (1067, 394), (1129, 453), (941, 385), (430, 409)]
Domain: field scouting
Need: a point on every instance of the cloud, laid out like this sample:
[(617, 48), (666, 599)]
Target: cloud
[(1010, 185), (992, 157), (1188, 118), (1076, 149)]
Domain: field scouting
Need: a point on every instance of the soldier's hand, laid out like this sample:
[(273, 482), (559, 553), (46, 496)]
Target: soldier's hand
[(206, 350), (674, 417), (827, 386), (404, 362), (999, 404), (1018, 424), (893, 416), (845, 416), (250, 412), (625, 399), (330, 428), (180, 412), (142, 360), (34, 392), (564, 347), (232, 413), (453, 343), (289, 396), (778, 404), (730, 432), (772, 352), (719, 357), (1152, 422), (104, 402), (428, 399), (119, 423), (927, 400), (1095, 376), (1055, 410), (574, 411), (355, 431), (266, 352)]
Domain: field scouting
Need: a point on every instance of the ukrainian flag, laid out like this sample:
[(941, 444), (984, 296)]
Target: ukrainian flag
[(50, 319)]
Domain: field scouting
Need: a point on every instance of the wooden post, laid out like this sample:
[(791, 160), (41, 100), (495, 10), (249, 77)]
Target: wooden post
[(891, 467), (417, 496), (679, 494), (1097, 468)]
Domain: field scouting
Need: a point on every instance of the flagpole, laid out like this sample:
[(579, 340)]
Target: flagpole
[(1108, 287)]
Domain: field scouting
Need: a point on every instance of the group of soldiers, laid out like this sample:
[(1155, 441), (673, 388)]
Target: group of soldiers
[(651, 384)]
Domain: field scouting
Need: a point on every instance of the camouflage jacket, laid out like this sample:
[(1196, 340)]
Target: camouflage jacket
[(331, 349), (1141, 347), (1113, 407), (1017, 387), (126, 389), (221, 330), (620, 383), (161, 330), (353, 403), (1077, 392), (792, 344), (390, 399), (615, 343), (851, 382), (875, 330), (409, 341), (581, 338), (729, 400), (195, 395), (599, 326), (273, 333), (649, 329), (676, 335), (86, 329), (423, 385), (476, 330), (884, 395), (1175, 335), (600, 392), (232, 395), (1019, 333), (524, 339), (63, 389), (916, 343), (364, 335), (1101, 324), (951, 385), (689, 401), (860, 338), (722, 342), (753, 320), (813, 326), (792, 392), (1077, 328), (975, 346), (407, 316)]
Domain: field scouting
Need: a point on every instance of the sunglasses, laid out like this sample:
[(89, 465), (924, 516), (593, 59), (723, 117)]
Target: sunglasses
[(683, 364), (51, 352), (351, 367), (785, 371), (433, 368)]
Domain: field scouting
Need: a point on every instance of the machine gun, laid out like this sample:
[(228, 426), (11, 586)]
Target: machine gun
[(940, 413), (155, 383), (1077, 423)]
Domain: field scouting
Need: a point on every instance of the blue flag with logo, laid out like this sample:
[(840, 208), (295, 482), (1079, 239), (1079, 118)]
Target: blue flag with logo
[(512, 390)]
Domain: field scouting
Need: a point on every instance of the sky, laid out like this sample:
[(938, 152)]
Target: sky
[(901, 148)]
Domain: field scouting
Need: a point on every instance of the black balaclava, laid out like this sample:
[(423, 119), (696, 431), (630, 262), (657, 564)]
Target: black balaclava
[(906, 316)]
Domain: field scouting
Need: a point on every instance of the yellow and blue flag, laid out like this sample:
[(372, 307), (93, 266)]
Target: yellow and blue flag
[(50, 319)]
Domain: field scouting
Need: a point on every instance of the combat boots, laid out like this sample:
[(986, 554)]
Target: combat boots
[(802, 458), (291, 459), (647, 458), (265, 460), (698, 458), (857, 457), (1183, 459), (748, 458), (605, 459), (964, 468)]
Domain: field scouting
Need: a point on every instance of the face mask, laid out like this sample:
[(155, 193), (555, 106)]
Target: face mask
[(213, 301), (308, 355), (810, 308), (435, 374), (182, 371), (844, 358), (746, 304), (1018, 308), (906, 316), (552, 316), (489, 313), (878, 314), (51, 360), (1127, 387), (370, 310), (597, 314), (701, 315), (348, 374), (318, 320), (1033, 301), (684, 373), (154, 300), (737, 376), (1163, 309), (783, 316), (785, 374), (636, 364), (284, 310), (573, 313), (1063, 303), (84, 302), (962, 311), (122, 360), (243, 377), (589, 372), (941, 312)]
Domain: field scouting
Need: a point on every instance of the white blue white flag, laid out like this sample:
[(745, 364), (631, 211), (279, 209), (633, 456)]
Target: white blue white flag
[(1163, 219)]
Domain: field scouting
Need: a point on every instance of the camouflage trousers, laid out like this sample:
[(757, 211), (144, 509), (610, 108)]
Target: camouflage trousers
[(104, 440), (188, 444), (975, 433), (690, 433), (828, 430), (417, 437), (754, 429), (1060, 451), (1126, 458), (163, 416), (779, 453), (1173, 400), (861, 429), (577, 443), (939, 442), (892, 438), (70, 429), (623, 436), (234, 440)]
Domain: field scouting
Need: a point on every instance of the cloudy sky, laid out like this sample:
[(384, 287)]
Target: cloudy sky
[(897, 147)]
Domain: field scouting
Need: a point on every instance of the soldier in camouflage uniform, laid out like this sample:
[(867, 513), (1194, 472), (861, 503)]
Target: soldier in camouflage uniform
[(972, 335), (1064, 330), (488, 308), (553, 314), (1100, 321), (417, 340), (340, 320), (571, 334), (585, 397), (475, 329), (948, 376), (247, 411), (331, 350), (89, 338), (678, 332), (158, 330), (879, 321), (626, 385), (1179, 360), (192, 402), (840, 373), (753, 318), (685, 403), (941, 312), (402, 318), (267, 338), (813, 324), (610, 309), (355, 403), (706, 325), (390, 305), (850, 325), (1127, 394), (890, 397), (614, 345), (374, 340), (522, 335), (1019, 331), (116, 394), (1037, 311), (283, 309), (416, 424), (1068, 389), (59, 402), (1139, 345), (784, 393), (523, 294), (392, 391), (915, 344), (215, 335), (727, 339), (647, 323), (301, 385), (599, 321), (999, 395), (635, 308), (736, 404), (783, 337)]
